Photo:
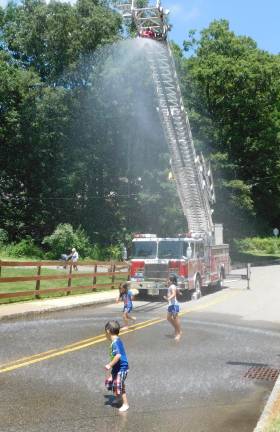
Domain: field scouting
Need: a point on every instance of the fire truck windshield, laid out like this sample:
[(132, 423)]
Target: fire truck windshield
[(144, 249), (170, 249)]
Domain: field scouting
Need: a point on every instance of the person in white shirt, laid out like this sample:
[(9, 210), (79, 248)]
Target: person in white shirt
[(74, 258), (173, 306)]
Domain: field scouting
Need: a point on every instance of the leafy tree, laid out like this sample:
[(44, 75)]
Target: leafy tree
[(232, 89), (64, 238), (51, 37)]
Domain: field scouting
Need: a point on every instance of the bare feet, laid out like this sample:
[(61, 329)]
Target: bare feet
[(178, 336)]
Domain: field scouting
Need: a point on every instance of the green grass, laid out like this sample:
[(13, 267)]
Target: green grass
[(254, 258), (274, 426), (5, 257), (11, 287)]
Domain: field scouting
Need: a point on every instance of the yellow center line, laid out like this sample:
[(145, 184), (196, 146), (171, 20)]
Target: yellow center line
[(85, 343)]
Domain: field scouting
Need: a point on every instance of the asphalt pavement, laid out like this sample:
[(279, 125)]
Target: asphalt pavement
[(263, 310)]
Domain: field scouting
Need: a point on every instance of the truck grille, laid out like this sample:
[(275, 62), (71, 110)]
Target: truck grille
[(156, 271)]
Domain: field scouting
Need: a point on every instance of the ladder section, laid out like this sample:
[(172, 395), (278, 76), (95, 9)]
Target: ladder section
[(189, 169), (193, 178)]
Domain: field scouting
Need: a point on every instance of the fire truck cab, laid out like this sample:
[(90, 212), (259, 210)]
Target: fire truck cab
[(196, 263)]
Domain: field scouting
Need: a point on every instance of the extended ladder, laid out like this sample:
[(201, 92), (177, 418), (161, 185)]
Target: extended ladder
[(193, 178)]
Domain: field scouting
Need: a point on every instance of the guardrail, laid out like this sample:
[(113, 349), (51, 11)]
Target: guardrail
[(97, 270), (244, 276)]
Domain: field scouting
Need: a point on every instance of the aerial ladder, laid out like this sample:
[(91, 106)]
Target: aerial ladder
[(191, 172)]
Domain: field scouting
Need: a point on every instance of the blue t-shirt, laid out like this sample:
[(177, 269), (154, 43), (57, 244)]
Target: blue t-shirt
[(127, 299), (117, 347)]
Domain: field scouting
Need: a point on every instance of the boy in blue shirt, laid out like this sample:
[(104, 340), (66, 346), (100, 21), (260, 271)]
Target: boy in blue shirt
[(118, 364)]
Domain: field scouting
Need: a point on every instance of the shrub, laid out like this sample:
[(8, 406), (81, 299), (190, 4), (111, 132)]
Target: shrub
[(96, 252), (64, 238), (114, 252), (3, 237), (25, 248), (267, 245)]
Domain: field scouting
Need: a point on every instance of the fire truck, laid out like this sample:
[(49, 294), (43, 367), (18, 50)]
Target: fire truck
[(198, 258), (195, 262)]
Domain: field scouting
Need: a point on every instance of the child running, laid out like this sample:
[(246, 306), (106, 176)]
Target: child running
[(126, 296), (173, 306), (118, 365)]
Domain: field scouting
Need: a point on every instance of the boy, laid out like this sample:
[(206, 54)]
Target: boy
[(118, 365), (126, 295)]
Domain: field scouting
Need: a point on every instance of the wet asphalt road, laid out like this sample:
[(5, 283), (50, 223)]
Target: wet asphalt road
[(196, 385)]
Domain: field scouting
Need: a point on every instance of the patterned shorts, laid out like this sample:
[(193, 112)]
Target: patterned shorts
[(116, 383), (173, 310), (127, 309)]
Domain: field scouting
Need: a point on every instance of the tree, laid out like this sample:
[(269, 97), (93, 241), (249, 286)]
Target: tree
[(51, 37), (233, 91)]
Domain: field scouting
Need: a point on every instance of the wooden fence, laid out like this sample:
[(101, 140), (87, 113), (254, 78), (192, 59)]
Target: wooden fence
[(93, 271)]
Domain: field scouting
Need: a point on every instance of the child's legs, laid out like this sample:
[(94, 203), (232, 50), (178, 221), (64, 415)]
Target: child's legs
[(124, 397), (132, 318), (177, 325), (119, 387), (171, 319), (125, 317)]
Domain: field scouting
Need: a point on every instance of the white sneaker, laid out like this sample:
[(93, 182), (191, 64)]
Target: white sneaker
[(123, 408)]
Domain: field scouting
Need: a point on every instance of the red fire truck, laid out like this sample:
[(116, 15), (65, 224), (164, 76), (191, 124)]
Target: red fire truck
[(190, 257)]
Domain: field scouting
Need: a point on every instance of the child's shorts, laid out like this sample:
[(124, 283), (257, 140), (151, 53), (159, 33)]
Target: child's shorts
[(116, 383), (127, 309), (173, 310)]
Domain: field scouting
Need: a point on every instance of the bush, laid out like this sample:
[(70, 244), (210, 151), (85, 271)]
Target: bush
[(114, 252), (3, 237), (64, 238), (25, 248), (258, 245), (96, 252)]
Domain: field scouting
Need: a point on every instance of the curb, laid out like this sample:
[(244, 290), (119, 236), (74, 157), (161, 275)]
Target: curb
[(41, 309), (271, 408)]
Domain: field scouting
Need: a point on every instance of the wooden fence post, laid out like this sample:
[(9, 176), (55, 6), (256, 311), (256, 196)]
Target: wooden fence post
[(69, 279), (113, 276), (94, 278), (37, 288)]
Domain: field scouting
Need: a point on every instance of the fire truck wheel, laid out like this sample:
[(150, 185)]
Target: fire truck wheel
[(142, 294), (219, 284), (197, 286)]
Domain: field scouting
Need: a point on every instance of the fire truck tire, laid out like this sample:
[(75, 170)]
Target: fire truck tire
[(197, 286), (142, 294)]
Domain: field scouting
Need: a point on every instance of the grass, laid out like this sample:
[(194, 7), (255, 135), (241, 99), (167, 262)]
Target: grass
[(274, 426), (254, 258), (11, 287), (5, 257)]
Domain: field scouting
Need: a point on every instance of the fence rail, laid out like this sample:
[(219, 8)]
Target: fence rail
[(98, 273)]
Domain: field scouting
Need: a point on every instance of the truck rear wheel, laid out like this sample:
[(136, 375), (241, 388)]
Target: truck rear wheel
[(197, 287)]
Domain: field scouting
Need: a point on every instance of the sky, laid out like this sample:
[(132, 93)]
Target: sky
[(255, 18)]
